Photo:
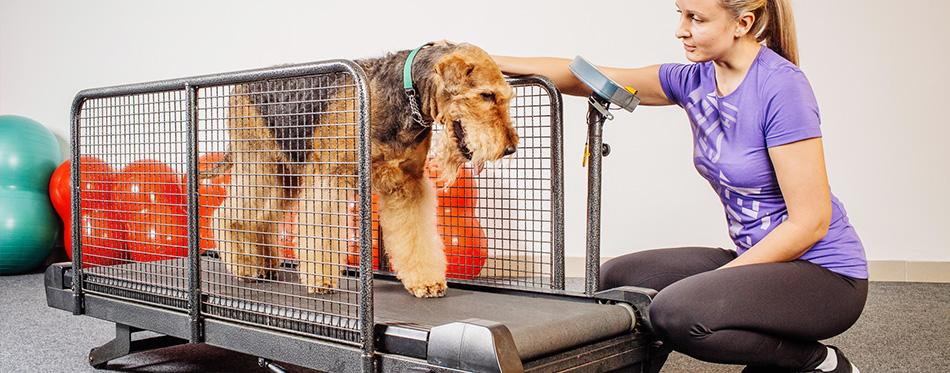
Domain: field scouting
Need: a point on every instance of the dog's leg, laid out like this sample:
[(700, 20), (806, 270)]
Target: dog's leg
[(323, 227), (407, 219), (265, 213), (245, 223), (230, 236)]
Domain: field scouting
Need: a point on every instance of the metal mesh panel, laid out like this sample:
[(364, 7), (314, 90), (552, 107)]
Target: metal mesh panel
[(281, 211), (502, 227), (132, 221), (267, 161), (519, 200)]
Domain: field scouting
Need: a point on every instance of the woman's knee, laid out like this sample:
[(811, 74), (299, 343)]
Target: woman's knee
[(657, 269), (612, 274), (674, 318), (635, 269)]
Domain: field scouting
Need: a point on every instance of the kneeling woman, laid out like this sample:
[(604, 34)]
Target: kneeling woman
[(799, 273)]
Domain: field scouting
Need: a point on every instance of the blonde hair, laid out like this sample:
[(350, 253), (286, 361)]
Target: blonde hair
[(774, 24)]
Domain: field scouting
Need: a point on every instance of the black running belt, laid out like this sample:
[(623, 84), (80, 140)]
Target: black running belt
[(538, 326)]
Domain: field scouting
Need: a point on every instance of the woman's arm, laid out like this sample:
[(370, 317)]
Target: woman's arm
[(800, 169), (645, 80)]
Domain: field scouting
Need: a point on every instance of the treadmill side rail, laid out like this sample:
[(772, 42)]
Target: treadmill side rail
[(474, 345), (59, 293)]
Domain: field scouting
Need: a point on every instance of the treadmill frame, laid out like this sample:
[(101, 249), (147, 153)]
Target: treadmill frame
[(67, 290)]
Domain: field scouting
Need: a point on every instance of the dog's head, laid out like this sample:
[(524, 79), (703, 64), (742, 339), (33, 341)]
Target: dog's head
[(472, 102)]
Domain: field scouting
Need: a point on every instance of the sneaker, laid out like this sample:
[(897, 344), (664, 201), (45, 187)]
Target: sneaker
[(844, 366)]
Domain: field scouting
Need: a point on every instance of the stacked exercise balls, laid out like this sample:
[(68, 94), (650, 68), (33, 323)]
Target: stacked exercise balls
[(28, 224)]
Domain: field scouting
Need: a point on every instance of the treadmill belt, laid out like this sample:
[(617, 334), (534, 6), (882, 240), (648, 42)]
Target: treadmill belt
[(539, 326)]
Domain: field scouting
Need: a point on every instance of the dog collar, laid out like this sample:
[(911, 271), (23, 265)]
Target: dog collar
[(411, 93)]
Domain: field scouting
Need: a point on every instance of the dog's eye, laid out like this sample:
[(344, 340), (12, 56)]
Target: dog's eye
[(488, 96)]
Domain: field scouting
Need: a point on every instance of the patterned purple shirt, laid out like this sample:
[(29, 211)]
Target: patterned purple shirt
[(774, 105)]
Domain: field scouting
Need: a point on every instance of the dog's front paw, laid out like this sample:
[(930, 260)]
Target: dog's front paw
[(266, 274), (432, 289), (261, 273), (320, 284)]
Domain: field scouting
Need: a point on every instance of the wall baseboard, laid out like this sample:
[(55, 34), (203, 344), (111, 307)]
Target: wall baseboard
[(909, 271), (880, 270)]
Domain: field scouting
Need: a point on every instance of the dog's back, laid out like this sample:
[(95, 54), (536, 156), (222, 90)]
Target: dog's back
[(292, 108)]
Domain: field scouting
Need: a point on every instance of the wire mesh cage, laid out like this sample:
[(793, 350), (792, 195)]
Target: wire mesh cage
[(280, 211), (189, 200), (132, 205), (503, 226)]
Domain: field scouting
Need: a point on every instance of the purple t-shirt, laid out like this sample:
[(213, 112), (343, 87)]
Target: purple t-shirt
[(773, 106)]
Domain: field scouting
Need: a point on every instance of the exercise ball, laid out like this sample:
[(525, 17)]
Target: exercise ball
[(103, 234), (28, 225)]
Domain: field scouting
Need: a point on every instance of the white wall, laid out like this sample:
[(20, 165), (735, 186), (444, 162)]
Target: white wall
[(878, 71)]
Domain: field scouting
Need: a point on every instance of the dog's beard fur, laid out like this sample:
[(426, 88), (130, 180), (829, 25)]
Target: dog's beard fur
[(447, 158), (472, 101)]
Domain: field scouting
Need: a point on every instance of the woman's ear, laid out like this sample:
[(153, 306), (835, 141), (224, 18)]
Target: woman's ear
[(744, 24)]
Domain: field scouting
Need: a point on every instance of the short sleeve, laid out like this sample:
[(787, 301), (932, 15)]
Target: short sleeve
[(792, 110), (675, 79)]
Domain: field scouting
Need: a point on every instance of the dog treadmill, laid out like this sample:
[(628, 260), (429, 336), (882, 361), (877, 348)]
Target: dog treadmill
[(506, 309)]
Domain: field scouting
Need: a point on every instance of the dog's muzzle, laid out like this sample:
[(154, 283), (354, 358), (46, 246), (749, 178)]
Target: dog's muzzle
[(459, 133)]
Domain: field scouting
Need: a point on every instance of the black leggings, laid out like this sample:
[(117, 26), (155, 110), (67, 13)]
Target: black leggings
[(761, 314)]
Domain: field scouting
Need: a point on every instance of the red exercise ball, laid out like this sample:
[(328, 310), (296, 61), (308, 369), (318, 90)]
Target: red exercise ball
[(147, 182), (354, 245), (59, 192), (211, 193), (103, 235), (103, 238), (462, 236), (461, 194), (96, 182), (465, 248), (287, 239), (157, 232)]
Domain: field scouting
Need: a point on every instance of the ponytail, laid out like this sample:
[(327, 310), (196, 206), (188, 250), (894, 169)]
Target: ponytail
[(774, 24)]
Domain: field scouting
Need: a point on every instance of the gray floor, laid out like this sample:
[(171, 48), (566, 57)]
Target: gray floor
[(905, 328)]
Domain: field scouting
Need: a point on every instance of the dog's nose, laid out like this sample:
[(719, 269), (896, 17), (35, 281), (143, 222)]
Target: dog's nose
[(510, 150)]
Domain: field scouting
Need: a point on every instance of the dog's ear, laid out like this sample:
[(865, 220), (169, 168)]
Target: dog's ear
[(454, 71)]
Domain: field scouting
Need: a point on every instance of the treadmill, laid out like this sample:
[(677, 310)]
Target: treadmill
[(512, 314)]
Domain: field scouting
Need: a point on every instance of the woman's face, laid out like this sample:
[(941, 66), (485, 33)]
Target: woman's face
[(707, 30)]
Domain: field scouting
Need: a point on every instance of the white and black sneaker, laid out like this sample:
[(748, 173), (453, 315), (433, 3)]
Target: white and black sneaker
[(842, 366)]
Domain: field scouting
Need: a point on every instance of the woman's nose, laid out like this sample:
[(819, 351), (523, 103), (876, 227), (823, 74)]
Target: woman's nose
[(681, 31)]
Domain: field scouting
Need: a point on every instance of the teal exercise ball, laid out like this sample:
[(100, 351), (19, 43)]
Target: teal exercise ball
[(28, 230), (29, 153)]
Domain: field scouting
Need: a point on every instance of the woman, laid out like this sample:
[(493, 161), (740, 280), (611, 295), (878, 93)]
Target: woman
[(799, 273)]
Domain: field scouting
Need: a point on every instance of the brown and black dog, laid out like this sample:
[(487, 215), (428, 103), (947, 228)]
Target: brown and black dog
[(285, 150)]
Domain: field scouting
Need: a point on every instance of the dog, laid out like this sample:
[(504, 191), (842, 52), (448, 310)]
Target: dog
[(283, 147)]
